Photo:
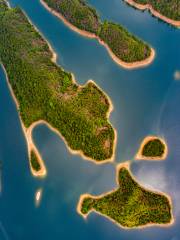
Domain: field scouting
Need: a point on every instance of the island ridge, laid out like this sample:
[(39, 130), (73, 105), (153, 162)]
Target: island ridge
[(167, 11), (45, 93), (124, 48), (130, 205)]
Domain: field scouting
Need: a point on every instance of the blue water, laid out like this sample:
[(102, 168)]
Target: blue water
[(146, 101)]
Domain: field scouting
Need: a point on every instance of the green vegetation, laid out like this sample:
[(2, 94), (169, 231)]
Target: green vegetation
[(153, 148), (124, 45), (34, 162), (168, 8), (45, 91), (130, 205), (3, 6), (78, 13)]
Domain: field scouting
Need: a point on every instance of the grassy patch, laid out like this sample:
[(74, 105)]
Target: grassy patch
[(34, 162)]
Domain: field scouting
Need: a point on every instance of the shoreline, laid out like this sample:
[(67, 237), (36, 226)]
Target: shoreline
[(155, 13), (118, 167), (28, 131), (111, 108), (30, 143), (28, 136), (139, 155), (84, 33)]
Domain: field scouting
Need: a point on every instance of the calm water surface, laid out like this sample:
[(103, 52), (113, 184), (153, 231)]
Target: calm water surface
[(146, 101)]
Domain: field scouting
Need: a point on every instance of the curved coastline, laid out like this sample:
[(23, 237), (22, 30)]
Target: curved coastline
[(31, 146), (139, 155), (28, 131), (111, 108), (84, 33), (127, 166), (28, 136), (153, 12)]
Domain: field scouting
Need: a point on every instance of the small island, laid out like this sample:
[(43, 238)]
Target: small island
[(152, 148), (167, 11), (124, 48), (130, 205), (45, 93)]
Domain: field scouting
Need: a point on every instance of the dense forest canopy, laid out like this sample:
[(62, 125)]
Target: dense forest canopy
[(130, 205), (124, 45), (168, 8), (45, 91)]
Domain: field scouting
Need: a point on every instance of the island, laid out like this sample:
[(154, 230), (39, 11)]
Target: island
[(124, 48), (45, 93), (130, 205), (152, 148), (167, 11)]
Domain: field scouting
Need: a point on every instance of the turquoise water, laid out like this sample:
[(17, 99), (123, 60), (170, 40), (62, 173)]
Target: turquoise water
[(146, 101)]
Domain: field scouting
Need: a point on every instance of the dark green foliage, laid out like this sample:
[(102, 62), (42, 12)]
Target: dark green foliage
[(78, 13), (45, 91), (153, 148), (124, 45), (168, 8), (34, 161), (130, 205)]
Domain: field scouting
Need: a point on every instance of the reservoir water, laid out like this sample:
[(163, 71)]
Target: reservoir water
[(146, 101)]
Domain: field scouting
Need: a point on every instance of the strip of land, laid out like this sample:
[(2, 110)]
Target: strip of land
[(45, 93), (152, 148), (124, 48), (167, 11), (130, 205)]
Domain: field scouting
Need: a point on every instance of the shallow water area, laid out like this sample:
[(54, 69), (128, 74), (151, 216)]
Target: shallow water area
[(145, 102)]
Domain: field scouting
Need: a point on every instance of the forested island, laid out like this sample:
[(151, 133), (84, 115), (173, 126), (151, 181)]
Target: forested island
[(45, 93), (130, 205), (152, 148), (124, 48), (168, 11)]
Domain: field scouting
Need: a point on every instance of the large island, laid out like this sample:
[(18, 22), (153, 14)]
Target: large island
[(124, 48), (130, 205), (45, 93), (168, 11)]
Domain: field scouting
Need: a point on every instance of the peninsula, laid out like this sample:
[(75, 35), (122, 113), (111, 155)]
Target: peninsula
[(152, 148), (124, 48), (45, 93), (130, 205), (167, 11)]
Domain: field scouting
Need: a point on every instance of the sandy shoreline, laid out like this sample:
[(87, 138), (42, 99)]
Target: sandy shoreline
[(127, 166), (28, 136), (139, 155), (84, 33), (153, 12), (28, 131)]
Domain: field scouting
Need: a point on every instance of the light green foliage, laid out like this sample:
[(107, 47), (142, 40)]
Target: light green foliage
[(130, 205)]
